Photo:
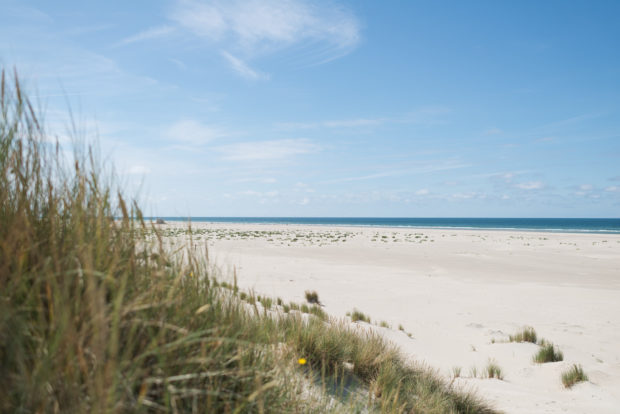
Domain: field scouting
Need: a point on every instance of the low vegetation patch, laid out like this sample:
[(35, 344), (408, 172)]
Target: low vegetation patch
[(574, 375), (318, 312), (357, 315), (312, 297), (494, 371), (548, 353), (526, 334)]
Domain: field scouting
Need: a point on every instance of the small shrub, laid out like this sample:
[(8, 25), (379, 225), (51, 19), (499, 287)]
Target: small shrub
[(473, 372), (456, 372), (294, 306), (312, 297), (304, 308), (279, 301), (243, 296), (574, 375), (384, 324), (359, 316), (401, 328), (526, 334), (286, 308), (548, 353), (494, 370)]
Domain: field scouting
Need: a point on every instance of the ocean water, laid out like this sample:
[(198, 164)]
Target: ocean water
[(565, 225)]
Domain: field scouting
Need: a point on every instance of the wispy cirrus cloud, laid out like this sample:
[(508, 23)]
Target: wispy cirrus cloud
[(427, 167), (267, 150), (193, 132), (430, 115), (254, 28), (263, 25), (532, 185), (148, 34), (243, 69), (342, 123)]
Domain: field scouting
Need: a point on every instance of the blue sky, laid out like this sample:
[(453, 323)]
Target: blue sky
[(328, 108)]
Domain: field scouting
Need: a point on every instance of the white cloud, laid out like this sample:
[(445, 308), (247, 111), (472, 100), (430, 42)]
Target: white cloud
[(243, 69), (429, 167), (193, 132), (152, 33), (267, 150), (266, 194), (352, 123), (612, 188), (178, 63), (423, 191), (422, 116), (258, 27), (252, 23), (264, 180), (342, 123), (532, 185), (465, 196)]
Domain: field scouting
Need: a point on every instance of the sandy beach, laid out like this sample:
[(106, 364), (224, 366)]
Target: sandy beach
[(458, 293)]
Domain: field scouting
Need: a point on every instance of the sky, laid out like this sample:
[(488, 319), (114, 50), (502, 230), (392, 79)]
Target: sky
[(334, 108)]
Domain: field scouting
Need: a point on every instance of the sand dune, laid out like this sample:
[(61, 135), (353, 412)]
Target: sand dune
[(460, 293)]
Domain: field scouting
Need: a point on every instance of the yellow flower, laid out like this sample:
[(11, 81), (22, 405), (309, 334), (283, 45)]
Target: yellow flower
[(301, 361), (191, 274)]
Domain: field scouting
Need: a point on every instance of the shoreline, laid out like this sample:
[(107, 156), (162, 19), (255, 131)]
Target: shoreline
[(227, 224), (402, 227)]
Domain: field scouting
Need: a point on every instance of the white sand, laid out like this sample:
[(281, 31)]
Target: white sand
[(456, 291)]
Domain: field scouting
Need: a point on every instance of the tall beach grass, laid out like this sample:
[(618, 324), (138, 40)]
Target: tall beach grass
[(96, 317)]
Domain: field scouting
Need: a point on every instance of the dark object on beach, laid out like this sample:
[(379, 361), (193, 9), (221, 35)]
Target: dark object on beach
[(312, 297), (160, 221)]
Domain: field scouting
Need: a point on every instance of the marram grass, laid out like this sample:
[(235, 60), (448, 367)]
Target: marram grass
[(573, 375), (548, 353), (526, 334), (95, 318)]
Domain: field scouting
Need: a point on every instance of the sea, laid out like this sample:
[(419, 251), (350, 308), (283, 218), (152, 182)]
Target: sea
[(563, 225)]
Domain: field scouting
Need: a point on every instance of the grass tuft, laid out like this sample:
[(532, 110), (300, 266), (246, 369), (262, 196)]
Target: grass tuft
[(526, 334), (494, 371), (548, 353), (574, 375), (357, 315), (312, 297)]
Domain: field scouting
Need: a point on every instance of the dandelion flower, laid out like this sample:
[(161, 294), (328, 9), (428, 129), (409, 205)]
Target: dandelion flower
[(301, 361)]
